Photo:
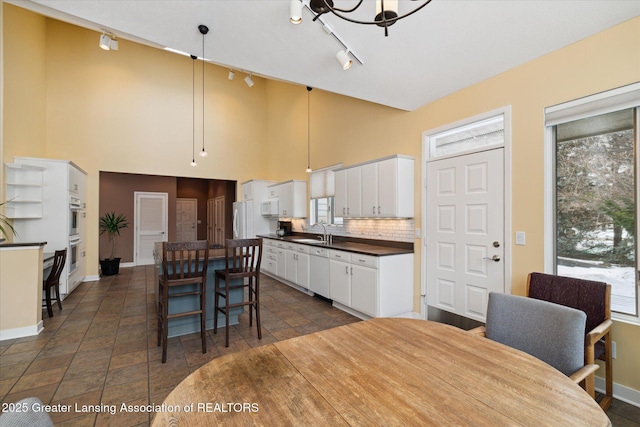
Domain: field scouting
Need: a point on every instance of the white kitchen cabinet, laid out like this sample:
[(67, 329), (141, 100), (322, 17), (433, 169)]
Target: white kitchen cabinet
[(281, 260), (348, 197), (74, 178), (292, 198), (370, 205), (364, 284), (269, 256), (381, 188), (255, 189), (24, 190), (395, 187), (340, 277), (54, 225), (297, 264), (340, 198), (372, 286)]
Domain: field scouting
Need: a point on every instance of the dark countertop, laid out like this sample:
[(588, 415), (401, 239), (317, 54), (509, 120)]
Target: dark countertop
[(351, 244), (17, 245)]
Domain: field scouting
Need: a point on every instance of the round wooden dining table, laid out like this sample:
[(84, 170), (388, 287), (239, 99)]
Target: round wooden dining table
[(386, 371)]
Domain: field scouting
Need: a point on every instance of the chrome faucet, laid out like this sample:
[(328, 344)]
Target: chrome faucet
[(324, 235)]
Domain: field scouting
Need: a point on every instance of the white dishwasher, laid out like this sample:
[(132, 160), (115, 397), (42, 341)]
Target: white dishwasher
[(319, 271)]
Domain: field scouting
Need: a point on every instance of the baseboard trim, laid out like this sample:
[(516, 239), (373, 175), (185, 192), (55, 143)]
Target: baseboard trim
[(27, 331), (620, 392), (91, 278)]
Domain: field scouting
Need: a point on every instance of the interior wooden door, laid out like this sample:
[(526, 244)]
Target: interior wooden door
[(186, 220), (151, 224), (219, 222), (211, 221)]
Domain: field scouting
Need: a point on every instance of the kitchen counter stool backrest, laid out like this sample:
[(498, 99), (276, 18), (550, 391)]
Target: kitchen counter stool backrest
[(184, 268), (242, 269), (53, 280)]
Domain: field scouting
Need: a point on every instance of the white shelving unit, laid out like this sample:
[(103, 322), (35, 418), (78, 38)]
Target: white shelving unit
[(24, 189), (49, 218)]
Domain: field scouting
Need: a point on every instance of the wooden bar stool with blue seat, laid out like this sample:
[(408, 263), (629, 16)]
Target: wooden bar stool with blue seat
[(53, 280), (184, 273), (242, 261)]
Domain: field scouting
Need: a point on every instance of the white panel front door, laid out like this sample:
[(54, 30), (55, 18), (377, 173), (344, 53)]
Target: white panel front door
[(151, 224), (186, 220), (465, 232)]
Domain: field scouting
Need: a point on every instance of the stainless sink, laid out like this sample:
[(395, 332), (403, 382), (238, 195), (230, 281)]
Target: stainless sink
[(312, 241)]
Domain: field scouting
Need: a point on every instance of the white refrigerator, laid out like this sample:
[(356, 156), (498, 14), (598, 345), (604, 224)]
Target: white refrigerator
[(248, 220)]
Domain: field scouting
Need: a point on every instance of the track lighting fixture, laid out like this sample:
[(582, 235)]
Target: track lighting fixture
[(231, 74), (343, 59), (295, 12), (346, 55), (248, 80), (203, 30), (108, 42)]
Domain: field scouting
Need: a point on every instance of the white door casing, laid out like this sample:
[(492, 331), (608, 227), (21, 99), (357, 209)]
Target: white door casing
[(151, 224), (186, 220), (465, 229)]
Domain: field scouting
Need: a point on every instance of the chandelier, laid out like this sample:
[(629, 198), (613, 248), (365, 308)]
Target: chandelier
[(386, 12)]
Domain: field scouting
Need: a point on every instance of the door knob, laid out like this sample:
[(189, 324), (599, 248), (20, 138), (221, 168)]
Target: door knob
[(495, 258)]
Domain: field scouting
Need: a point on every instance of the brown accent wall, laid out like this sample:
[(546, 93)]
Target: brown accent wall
[(117, 195)]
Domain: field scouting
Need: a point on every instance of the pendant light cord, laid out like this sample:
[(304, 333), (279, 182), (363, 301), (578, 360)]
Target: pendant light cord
[(203, 151), (309, 88), (193, 109), (203, 30)]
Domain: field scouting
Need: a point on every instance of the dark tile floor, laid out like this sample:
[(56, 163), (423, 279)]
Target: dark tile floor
[(101, 348)]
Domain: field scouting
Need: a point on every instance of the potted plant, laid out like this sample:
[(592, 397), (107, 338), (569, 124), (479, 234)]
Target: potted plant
[(5, 226), (111, 224)]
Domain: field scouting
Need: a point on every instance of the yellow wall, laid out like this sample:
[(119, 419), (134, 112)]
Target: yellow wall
[(130, 111), (20, 291)]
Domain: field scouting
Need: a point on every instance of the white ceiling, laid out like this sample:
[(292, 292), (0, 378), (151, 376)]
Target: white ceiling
[(448, 45)]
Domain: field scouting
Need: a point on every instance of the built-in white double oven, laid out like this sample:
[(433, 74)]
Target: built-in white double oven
[(75, 210)]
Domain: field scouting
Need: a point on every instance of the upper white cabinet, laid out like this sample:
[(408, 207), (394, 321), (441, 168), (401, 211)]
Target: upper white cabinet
[(348, 198), (292, 198), (24, 190), (255, 189), (381, 188)]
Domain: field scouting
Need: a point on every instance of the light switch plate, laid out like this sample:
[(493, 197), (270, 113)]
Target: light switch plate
[(418, 233), (520, 238)]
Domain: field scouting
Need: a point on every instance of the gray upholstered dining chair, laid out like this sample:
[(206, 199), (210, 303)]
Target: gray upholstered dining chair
[(550, 332), (594, 298), (28, 412)]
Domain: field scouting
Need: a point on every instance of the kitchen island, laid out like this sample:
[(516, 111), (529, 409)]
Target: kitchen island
[(191, 324)]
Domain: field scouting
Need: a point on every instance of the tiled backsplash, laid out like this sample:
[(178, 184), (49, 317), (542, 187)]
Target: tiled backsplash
[(400, 230)]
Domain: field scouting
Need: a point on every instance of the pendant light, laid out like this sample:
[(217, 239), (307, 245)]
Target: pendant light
[(193, 114), (203, 30), (309, 129)]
